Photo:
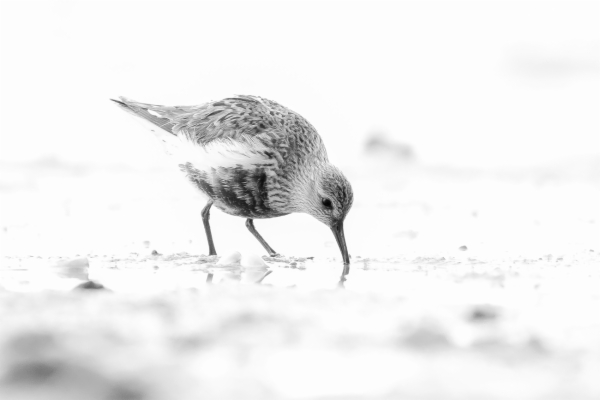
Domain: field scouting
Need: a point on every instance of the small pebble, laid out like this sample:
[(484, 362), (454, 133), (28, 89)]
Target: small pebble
[(155, 253), (463, 248), (89, 285), (231, 258)]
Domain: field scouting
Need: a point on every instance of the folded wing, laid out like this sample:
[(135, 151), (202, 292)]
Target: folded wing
[(235, 132)]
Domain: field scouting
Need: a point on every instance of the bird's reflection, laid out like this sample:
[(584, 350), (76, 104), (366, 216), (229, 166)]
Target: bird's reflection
[(249, 275), (256, 275)]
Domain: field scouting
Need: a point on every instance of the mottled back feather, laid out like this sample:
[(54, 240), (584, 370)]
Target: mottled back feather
[(235, 118)]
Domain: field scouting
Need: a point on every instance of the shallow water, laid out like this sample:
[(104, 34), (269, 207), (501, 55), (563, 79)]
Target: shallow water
[(463, 284)]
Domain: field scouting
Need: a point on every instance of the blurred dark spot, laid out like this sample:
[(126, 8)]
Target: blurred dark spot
[(155, 253), (126, 391), (32, 372), (427, 337), (379, 144), (89, 285), (463, 248), (536, 345), (483, 313)]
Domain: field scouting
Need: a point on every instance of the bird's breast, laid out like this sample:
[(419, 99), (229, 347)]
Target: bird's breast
[(240, 191)]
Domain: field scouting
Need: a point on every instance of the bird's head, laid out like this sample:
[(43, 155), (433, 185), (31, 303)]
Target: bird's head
[(329, 200)]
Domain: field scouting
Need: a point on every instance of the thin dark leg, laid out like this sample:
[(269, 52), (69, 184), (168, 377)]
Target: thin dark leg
[(345, 272), (205, 218), (252, 229)]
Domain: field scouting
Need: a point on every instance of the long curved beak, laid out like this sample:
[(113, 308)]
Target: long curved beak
[(338, 232)]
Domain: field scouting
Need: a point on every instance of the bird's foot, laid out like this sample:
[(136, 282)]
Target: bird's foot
[(273, 257)]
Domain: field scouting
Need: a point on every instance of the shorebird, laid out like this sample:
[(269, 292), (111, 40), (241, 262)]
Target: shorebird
[(252, 158)]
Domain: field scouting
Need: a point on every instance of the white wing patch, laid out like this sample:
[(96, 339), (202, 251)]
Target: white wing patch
[(152, 112), (225, 153)]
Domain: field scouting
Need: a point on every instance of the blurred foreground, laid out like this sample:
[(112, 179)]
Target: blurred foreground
[(464, 284)]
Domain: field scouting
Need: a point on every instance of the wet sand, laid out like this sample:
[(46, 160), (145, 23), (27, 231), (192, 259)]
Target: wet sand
[(463, 284)]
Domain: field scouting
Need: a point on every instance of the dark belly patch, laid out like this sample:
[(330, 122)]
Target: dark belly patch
[(236, 191)]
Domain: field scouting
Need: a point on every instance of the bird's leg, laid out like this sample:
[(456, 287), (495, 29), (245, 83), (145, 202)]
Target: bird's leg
[(252, 229), (345, 272), (205, 218)]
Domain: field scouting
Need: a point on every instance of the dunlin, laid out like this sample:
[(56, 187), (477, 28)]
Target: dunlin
[(252, 158)]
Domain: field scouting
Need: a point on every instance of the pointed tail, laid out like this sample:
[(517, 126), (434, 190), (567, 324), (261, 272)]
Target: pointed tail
[(147, 112)]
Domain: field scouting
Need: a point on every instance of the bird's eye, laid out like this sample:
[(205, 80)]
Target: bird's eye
[(327, 203)]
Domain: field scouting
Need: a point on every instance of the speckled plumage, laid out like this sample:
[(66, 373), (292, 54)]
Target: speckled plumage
[(251, 156)]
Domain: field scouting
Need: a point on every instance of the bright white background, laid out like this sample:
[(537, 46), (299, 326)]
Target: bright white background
[(481, 84), (498, 100)]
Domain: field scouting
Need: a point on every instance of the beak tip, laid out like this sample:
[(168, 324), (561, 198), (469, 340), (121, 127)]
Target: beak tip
[(338, 232)]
